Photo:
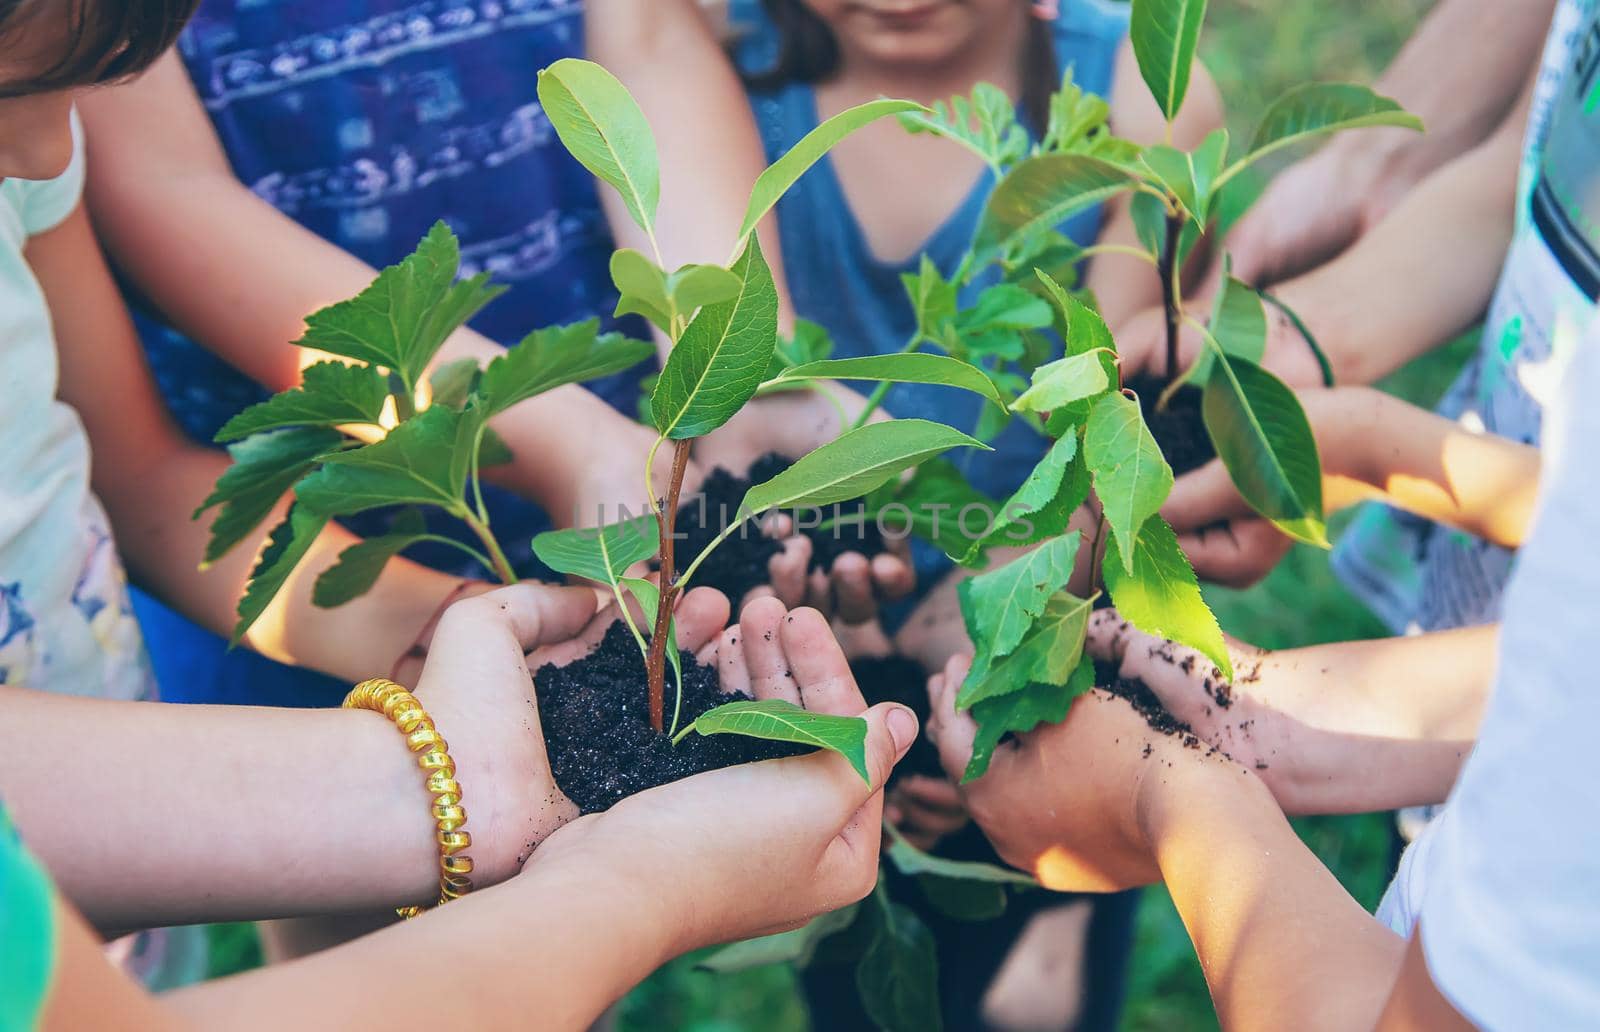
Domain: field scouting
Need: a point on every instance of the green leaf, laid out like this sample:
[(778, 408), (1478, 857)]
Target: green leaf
[(418, 463), (401, 319), (601, 554), (1022, 711), (855, 463), (898, 976), (1164, 34), (641, 288), (1007, 601), (967, 890), (695, 286), (720, 360), (360, 565), (1004, 306), (649, 596), (264, 467), (1131, 477), (986, 125), (1040, 193), (796, 947), (907, 368), (1191, 176), (601, 125), (1066, 380), (1161, 596), (1048, 654), (777, 720), (933, 299), (1313, 109), (810, 343), (286, 546), (1149, 221), (331, 394), (934, 498), (1081, 327), (1041, 507), (1238, 323), (1265, 441), (1077, 120), (776, 180), (453, 381), (554, 357)]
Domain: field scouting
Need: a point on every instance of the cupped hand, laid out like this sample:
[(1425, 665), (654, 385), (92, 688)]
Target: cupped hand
[(926, 810), (852, 588), (763, 847), (478, 687)]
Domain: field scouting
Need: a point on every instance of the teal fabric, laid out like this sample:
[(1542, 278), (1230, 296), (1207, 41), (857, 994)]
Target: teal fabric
[(27, 933)]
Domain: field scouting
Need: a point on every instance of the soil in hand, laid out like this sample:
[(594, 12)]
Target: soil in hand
[(897, 679), (1146, 702), (596, 718), (1179, 428)]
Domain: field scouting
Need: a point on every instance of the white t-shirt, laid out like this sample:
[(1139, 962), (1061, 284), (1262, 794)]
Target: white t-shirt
[(65, 621), (1507, 881)]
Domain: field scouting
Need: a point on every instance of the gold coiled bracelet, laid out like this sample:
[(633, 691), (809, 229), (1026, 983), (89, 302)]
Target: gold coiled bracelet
[(402, 708)]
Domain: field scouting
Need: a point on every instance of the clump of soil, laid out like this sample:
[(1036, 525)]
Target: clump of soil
[(1179, 428), (596, 718), (1147, 703), (897, 679), (740, 562)]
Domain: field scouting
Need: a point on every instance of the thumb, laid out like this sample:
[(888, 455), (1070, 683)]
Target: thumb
[(891, 728), (477, 633), (953, 733), (1203, 497)]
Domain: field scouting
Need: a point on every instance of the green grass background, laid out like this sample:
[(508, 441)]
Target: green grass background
[(1255, 49)]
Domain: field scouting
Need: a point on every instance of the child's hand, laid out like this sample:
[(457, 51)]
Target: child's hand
[(762, 847), (478, 688), (926, 810), (1142, 345)]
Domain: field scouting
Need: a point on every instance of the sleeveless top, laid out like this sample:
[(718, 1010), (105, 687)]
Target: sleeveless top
[(836, 281)]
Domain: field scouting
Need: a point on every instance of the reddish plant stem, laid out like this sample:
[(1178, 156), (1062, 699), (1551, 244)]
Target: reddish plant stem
[(1169, 290), (661, 637)]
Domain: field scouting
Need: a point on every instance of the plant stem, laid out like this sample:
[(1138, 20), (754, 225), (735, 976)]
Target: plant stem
[(1124, 249), (1095, 558), (876, 397), (1169, 288), (487, 563), (681, 735), (660, 640), (497, 558), (705, 552)]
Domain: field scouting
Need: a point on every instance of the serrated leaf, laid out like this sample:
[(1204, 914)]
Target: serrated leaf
[(776, 180), (494, 451), (1077, 119), (986, 125), (719, 361), (912, 367), (360, 565), (1263, 438), (933, 299), (855, 463), (330, 394), (1044, 503), (898, 976), (1006, 602), (810, 343), (418, 463), (1161, 596), (601, 125), (777, 720), (934, 499), (554, 357), (286, 546), (1238, 323), (1064, 381), (1190, 176), (1164, 34), (401, 319), (1004, 306), (1040, 193), (264, 467), (1082, 329), (602, 554), (453, 381), (1314, 109), (1021, 712), (1048, 653), (1131, 477), (795, 947)]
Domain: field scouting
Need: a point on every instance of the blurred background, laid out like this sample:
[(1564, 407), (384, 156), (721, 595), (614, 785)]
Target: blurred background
[(1255, 49)]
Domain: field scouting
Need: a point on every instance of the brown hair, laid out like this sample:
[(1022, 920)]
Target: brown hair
[(808, 52), (105, 40)]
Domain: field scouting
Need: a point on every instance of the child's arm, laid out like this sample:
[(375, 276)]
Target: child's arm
[(150, 480), (1124, 285), (1351, 727), (235, 274)]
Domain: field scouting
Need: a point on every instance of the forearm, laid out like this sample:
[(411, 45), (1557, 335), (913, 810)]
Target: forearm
[(1281, 943), (213, 813), (552, 947), (1380, 447), (1124, 284)]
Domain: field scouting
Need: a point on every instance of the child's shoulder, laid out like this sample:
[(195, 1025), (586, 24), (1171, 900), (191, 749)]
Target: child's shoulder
[(36, 205)]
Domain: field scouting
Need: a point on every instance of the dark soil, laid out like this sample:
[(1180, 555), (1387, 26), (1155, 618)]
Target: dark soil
[(596, 719), (740, 562), (897, 679), (1146, 703), (1178, 428)]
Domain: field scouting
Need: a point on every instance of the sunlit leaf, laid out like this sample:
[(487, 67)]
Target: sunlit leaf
[(1164, 34), (855, 463), (601, 554), (1021, 711), (288, 543), (1048, 653), (1041, 507), (1006, 602), (418, 463), (554, 357), (264, 467), (777, 720), (361, 564), (330, 394), (1066, 380), (1161, 596), (1131, 477), (600, 124), (986, 125)]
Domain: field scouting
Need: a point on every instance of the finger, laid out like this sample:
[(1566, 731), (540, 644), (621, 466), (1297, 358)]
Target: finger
[(933, 794), (892, 576), (891, 728), (512, 619), (930, 820), (1108, 636), (852, 587), (700, 615), (1202, 498), (818, 665), (770, 677), (733, 675), (787, 570), (953, 732), (819, 592), (1236, 555)]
